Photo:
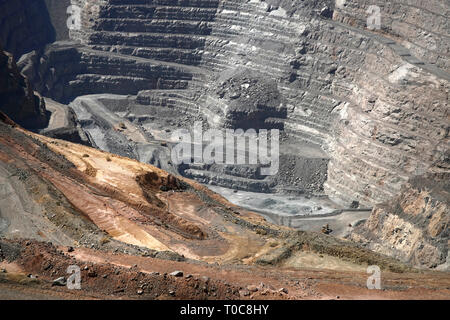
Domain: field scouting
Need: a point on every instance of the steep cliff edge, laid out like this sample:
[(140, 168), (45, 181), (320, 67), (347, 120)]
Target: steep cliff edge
[(394, 113), (422, 26), (25, 25), (17, 98), (393, 125), (414, 226)]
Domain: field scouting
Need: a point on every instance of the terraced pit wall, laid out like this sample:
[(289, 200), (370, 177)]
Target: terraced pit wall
[(375, 101)]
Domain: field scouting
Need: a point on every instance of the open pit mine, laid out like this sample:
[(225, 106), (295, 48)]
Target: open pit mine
[(224, 149)]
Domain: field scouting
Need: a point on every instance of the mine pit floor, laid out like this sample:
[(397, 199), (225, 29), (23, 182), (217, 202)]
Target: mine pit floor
[(305, 213)]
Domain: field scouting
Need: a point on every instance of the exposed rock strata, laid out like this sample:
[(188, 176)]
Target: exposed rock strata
[(414, 226), (422, 26), (375, 102)]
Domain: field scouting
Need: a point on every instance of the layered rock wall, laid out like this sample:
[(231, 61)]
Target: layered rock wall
[(375, 101), (126, 47), (395, 120), (422, 26), (414, 226)]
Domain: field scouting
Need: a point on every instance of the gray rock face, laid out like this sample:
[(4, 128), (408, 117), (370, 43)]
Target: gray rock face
[(367, 109), (24, 26), (58, 20), (414, 226), (245, 100), (17, 99), (421, 26)]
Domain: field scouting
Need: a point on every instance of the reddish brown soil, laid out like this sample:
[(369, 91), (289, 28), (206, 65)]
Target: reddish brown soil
[(119, 276)]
